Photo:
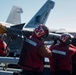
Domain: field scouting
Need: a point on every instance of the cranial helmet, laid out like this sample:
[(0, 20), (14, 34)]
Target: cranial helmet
[(66, 38), (4, 35), (41, 31)]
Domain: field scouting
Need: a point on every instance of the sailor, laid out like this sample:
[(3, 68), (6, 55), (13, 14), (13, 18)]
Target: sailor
[(4, 49), (61, 59), (33, 52)]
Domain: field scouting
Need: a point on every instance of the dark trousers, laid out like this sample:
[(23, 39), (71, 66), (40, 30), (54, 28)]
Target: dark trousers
[(26, 72), (73, 69), (61, 73)]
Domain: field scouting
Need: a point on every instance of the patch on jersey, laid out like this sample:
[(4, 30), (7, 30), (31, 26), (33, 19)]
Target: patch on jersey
[(31, 42), (59, 52)]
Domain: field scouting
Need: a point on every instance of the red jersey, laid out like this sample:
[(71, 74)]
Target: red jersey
[(61, 58), (29, 58), (3, 48)]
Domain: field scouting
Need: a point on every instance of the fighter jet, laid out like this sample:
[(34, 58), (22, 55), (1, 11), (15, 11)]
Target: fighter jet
[(39, 18)]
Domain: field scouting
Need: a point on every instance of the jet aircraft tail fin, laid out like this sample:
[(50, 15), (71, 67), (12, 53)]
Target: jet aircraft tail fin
[(15, 15), (41, 16)]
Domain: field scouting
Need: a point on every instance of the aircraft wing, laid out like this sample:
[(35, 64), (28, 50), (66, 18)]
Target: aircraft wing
[(18, 26), (53, 36), (12, 30), (16, 29), (56, 36)]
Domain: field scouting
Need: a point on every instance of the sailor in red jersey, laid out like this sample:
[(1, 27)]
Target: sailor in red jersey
[(33, 52), (4, 50), (74, 57), (61, 59)]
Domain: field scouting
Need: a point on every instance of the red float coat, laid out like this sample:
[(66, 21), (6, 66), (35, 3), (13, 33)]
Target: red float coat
[(4, 50), (61, 58), (29, 58)]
